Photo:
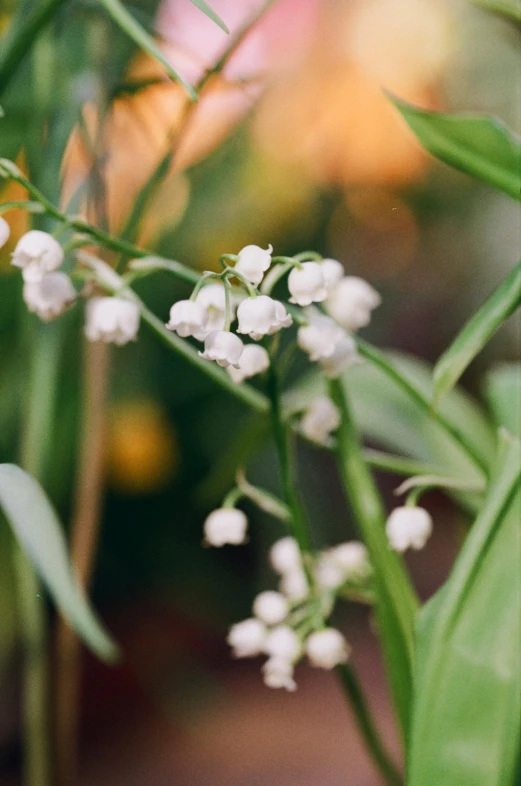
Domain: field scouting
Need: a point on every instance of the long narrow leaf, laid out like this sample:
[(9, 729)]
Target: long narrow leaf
[(479, 145), (38, 531), (210, 13), (477, 332), (396, 601), (124, 20), (467, 708), (503, 393)]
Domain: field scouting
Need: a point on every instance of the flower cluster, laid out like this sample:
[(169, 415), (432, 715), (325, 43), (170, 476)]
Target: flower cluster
[(213, 307)]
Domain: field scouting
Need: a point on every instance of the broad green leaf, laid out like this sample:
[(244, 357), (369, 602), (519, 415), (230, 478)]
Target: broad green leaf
[(38, 531), (124, 20), (476, 333), (503, 393), (467, 709), (479, 145), (210, 13), (396, 601), (509, 9)]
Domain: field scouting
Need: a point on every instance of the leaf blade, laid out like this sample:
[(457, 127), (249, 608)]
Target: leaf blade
[(479, 145), (477, 332), (38, 531), (210, 13)]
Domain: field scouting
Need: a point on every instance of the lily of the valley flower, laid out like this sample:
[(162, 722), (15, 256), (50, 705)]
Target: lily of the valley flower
[(327, 648), (253, 262), (283, 642), (345, 355), (351, 302), (50, 296), (225, 525), (346, 562), (37, 253), (247, 638), (320, 337), (320, 419), (5, 231), (307, 284), (112, 320), (333, 272), (270, 607), (408, 527), (261, 316), (212, 298), (253, 360), (224, 347), (278, 673), (188, 318), (285, 556)]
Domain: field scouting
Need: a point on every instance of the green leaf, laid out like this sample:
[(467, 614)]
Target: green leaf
[(467, 708), (124, 20), (396, 601), (210, 13), (503, 394), (480, 145), (39, 533), (476, 333), (509, 9)]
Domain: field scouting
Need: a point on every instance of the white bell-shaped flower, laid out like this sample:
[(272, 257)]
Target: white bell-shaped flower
[(351, 302), (37, 253), (294, 585), (271, 607), (408, 527), (253, 360), (285, 556), (328, 574), (333, 272), (112, 319), (320, 337), (253, 262), (345, 355), (50, 296), (188, 318), (223, 347), (327, 648), (307, 284), (283, 642), (353, 558), (320, 419), (225, 525), (5, 231), (213, 299), (278, 673), (261, 316), (247, 638)]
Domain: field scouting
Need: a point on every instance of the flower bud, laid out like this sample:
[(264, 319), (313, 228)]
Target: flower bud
[(351, 302), (320, 337), (345, 355), (225, 525), (253, 360), (112, 319), (285, 556), (271, 607), (50, 296), (294, 585), (327, 648), (188, 318), (352, 557), (5, 231), (247, 638), (408, 527), (261, 316), (37, 253), (306, 284), (223, 347), (320, 419), (253, 262), (283, 642), (333, 271), (278, 673)]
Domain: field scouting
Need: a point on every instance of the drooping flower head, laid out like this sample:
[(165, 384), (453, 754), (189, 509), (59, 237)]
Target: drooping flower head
[(50, 296), (188, 318), (253, 262), (37, 253), (253, 360), (408, 527), (112, 320), (307, 284), (223, 347), (225, 525)]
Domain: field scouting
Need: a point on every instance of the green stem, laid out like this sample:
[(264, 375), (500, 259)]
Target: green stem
[(19, 44), (398, 465), (282, 442), (377, 358), (366, 725), (35, 667)]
